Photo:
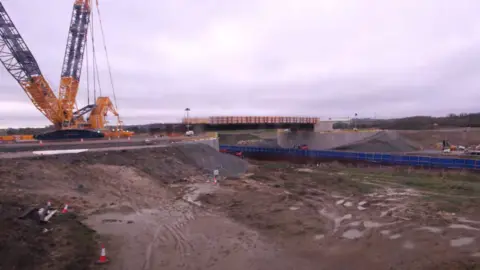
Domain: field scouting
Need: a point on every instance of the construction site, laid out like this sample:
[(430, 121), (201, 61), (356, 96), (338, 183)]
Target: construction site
[(90, 195)]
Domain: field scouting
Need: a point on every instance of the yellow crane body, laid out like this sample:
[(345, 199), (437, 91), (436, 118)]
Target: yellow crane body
[(61, 111)]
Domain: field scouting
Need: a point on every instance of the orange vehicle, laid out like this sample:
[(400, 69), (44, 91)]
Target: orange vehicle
[(235, 153), (301, 147)]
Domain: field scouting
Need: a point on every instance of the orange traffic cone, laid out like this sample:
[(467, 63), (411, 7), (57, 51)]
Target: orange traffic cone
[(214, 180), (103, 256), (65, 209)]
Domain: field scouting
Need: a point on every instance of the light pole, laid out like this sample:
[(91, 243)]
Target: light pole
[(355, 121), (187, 118)]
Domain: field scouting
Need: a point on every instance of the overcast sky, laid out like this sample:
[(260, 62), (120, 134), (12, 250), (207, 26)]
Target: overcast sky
[(325, 58)]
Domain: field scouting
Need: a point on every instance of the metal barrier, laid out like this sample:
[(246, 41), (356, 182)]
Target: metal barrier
[(393, 159)]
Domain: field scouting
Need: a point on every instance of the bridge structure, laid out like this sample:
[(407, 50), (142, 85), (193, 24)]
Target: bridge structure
[(224, 123), (215, 123)]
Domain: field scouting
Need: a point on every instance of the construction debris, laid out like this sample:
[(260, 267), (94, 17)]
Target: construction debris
[(41, 215)]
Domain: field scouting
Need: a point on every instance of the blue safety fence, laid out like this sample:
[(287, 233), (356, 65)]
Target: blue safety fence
[(385, 158)]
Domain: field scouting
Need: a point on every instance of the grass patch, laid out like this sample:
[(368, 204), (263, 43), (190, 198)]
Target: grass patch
[(276, 165), (451, 204), (345, 184), (449, 183)]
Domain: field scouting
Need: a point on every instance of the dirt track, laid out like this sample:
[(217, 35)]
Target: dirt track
[(154, 209)]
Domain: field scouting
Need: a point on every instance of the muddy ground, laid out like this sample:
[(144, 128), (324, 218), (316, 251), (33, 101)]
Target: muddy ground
[(160, 209), (339, 217)]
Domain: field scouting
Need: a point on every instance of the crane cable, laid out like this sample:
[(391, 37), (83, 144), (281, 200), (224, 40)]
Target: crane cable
[(106, 54), (96, 72), (88, 71), (93, 61)]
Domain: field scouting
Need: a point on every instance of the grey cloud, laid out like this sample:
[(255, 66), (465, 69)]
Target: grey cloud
[(316, 58)]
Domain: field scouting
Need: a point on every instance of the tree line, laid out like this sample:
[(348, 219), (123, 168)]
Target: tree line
[(407, 123), (416, 122)]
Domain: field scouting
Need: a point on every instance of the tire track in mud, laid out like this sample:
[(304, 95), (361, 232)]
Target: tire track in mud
[(148, 255), (171, 234), (181, 244)]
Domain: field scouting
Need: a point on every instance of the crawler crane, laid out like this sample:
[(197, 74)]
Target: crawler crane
[(61, 110)]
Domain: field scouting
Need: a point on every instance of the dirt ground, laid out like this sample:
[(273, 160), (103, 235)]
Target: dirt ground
[(339, 217), (160, 209), (428, 138)]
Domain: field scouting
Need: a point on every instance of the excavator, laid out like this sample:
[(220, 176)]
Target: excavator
[(70, 122)]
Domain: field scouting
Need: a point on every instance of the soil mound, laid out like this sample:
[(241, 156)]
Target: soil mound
[(91, 182), (385, 141), (208, 159), (232, 139)]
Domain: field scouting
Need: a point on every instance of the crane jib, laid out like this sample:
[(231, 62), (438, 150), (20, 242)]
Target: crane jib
[(22, 62), (73, 58), (72, 63)]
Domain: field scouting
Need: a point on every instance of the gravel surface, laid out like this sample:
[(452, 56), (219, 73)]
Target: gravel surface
[(208, 159), (385, 141)]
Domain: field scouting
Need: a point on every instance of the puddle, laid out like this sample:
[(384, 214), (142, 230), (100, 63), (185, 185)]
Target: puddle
[(328, 215), (385, 232), (381, 204), (334, 217), (388, 212), (307, 170), (352, 234), (394, 199), (430, 229), (408, 245), (336, 196), (107, 223), (463, 226), (476, 254), (372, 224), (465, 220), (294, 208), (354, 224), (461, 241), (339, 220), (348, 204), (360, 205), (319, 237), (394, 236), (406, 192)]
